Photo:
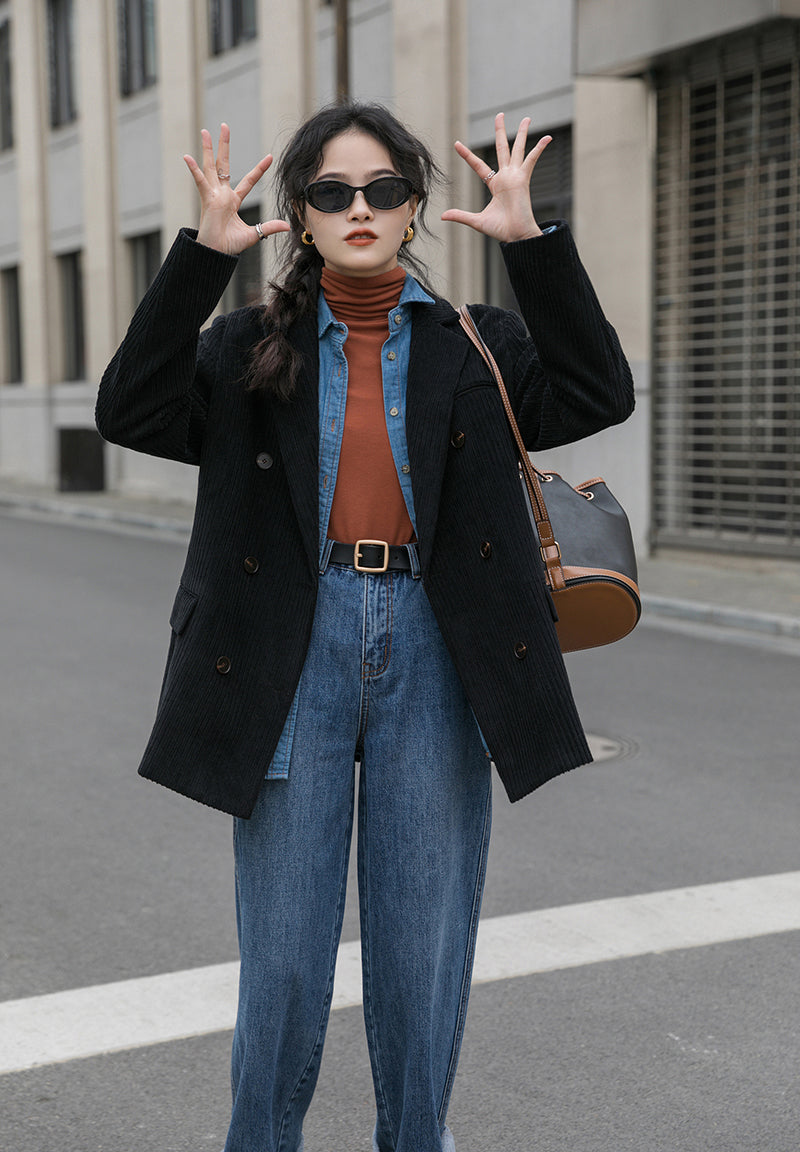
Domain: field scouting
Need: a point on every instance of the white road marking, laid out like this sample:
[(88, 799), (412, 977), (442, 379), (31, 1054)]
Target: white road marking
[(106, 1018)]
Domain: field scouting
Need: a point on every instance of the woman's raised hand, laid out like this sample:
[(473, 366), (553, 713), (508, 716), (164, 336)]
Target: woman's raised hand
[(221, 226), (508, 216)]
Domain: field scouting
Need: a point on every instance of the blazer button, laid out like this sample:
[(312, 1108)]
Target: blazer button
[(457, 439), (223, 665), (264, 460), (520, 650), (251, 564), (486, 549)]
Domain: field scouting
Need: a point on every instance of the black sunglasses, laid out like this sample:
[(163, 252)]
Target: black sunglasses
[(334, 195)]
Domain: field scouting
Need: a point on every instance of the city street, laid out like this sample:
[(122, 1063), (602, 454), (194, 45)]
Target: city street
[(107, 878)]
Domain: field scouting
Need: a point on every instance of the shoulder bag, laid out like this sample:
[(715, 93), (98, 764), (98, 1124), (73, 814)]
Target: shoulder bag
[(584, 540)]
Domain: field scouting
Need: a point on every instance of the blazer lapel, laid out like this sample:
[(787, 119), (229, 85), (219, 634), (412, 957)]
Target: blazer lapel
[(298, 433), (436, 359)]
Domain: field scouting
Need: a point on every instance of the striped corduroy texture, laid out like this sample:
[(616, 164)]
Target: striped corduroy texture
[(243, 612)]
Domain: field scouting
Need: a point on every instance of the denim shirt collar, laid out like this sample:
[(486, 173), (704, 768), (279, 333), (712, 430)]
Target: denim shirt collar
[(413, 293)]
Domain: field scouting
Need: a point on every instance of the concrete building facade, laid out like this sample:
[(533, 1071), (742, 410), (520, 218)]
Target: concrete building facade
[(675, 160)]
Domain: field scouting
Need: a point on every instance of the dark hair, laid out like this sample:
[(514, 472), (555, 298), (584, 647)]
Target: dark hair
[(275, 364)]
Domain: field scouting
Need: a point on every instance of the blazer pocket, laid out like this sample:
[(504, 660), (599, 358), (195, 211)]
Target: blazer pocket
[(182, 609)]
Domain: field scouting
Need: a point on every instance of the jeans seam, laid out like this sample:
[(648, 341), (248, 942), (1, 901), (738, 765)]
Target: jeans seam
[(325, 1013), (363, 704), (469, 955), (366, 965), (388, 589)]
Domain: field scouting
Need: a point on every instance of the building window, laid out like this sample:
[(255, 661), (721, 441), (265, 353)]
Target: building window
[(6, 126), (726, 471), (72, 315), (232, 22), (81, 460), (12, 326), (246, 287), (61, 31), (551, 195), (145, 262), (137, 44)]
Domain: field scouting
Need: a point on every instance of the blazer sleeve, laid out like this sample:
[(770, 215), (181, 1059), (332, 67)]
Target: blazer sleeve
[(567, 376), (153, 396)]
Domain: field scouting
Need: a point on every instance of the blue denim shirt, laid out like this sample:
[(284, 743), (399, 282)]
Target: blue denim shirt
[(332, 400)]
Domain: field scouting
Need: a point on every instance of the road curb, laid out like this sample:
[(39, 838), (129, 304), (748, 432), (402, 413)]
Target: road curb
[(721, 616), (99, 515)]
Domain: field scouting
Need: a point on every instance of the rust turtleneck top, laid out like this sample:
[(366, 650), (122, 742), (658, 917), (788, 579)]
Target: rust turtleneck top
[(368, 502)]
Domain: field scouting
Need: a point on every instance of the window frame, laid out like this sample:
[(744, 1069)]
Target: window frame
[(231, 23), (137, 46), (61, 47), (73, 316), (10, 292), (6, 87), (145, 257)]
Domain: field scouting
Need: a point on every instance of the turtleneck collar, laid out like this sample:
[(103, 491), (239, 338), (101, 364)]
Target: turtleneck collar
[(362, 298)]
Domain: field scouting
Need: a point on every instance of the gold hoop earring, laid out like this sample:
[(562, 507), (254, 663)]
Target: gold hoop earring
[(408, 235), (307, 239)]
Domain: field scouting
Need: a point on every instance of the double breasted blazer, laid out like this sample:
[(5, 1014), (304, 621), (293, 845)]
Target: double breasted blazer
[(242, 616)]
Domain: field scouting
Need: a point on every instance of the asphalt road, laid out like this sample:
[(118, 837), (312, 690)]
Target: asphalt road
[(106, 877)]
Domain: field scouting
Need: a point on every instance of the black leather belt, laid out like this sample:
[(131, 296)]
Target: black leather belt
[(371, 556)]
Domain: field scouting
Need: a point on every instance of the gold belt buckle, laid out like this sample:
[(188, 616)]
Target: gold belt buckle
[(357, 555)]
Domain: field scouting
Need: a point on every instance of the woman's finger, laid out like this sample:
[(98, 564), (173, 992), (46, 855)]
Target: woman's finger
[(196, 172), (466, 154), (457, 216), (208, 153), (224, 151), (248, 182), (535, 152), (476, 164), (520, 141), (271, 228), (501, 140)]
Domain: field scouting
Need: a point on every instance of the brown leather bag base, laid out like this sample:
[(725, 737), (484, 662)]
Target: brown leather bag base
[(595, 610)]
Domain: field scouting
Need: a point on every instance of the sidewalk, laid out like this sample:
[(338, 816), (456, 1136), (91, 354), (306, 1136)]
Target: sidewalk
[(755, 594)]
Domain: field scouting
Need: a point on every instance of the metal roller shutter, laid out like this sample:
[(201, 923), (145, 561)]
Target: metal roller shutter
[(726, 415)]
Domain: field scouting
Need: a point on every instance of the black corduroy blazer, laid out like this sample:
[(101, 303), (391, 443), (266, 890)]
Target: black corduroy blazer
[(242, 616)]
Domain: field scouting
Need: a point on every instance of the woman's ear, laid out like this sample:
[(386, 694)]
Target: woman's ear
[(299, 214)]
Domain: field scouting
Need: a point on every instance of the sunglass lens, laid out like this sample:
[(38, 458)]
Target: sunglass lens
[(388, 192), (329, 195)]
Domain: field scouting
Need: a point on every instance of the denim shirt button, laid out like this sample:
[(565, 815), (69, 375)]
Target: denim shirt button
[(394, 411), (391, 355), (405, 468)]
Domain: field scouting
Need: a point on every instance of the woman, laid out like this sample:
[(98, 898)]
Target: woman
[(361, 585)]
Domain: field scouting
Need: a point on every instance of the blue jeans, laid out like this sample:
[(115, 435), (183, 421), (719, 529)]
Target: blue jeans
[(379, 686)]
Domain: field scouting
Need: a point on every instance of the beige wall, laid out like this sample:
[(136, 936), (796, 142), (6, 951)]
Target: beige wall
[(130, 177), (613, 141), (429, 82), (101, 262), (31, 125), (622, 36)]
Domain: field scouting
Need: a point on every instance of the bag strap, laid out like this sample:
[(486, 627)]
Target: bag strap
[(548, 545)]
